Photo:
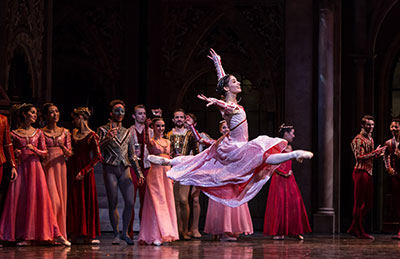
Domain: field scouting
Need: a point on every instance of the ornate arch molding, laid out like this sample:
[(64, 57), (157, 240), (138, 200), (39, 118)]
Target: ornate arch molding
[(390, 58), (25, 29), (385, 76), (387, 6), (24, 41), (387, 53), (386, 50)]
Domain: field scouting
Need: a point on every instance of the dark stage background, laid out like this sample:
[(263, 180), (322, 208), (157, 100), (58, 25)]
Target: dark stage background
[(319, 65)]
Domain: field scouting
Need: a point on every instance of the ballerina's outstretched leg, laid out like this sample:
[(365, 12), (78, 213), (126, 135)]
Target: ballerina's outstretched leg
[(273, 159), (159, 160), (299, 155)]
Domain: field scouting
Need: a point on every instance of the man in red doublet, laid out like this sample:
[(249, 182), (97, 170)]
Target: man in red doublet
[(392, 164), (363, 149), (6, 156), (137, 131)]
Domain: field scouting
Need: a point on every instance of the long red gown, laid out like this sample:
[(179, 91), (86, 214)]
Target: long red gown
[(28, 212), (285, 214), (82, 206)]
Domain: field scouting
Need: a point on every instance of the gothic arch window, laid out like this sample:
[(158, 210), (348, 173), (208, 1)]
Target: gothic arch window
[(20, 87), (260, 112), (396, 91)]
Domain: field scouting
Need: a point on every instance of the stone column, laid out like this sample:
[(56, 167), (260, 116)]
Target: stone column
[(324, 218)]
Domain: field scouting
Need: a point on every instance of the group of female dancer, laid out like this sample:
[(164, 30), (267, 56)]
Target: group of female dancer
[(51, 198), (46, 201)]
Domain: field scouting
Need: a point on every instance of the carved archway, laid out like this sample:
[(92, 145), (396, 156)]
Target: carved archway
[(21, 77), (386, 48), (25, 30)]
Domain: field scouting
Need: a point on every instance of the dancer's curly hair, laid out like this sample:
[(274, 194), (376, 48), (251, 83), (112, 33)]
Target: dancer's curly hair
[(284, 128), (84, 111), (115, 102), (365, 118), (17, 112), (396, 120)]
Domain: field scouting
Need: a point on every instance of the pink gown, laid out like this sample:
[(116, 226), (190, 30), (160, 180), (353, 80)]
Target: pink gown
[(158, 222), (232, 170), (222, 219), (28, 212), (55, 169)]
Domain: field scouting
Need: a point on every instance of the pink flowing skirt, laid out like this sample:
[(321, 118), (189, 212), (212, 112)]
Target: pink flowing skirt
[(158, 222), (229, 172), (56, 175), (28, 212), (224, 219)]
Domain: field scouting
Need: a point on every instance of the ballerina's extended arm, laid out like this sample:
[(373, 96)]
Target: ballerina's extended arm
[(217, 63), (227, 107), (203, 141)]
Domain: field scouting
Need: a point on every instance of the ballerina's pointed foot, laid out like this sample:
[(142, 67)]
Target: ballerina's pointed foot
[(300, 155), (158, 160), (62, 241)]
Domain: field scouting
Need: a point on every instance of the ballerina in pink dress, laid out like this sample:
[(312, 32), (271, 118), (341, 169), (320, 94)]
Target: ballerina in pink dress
[(28, 212), (159, 222), (223, 222), (233, 170), (58, 143)]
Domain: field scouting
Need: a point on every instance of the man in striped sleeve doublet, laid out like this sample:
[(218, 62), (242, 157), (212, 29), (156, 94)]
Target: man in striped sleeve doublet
[(117, 147), (364, 152)]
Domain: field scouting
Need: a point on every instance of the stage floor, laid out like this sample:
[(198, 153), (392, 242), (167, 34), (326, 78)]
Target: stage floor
[(255, 246)]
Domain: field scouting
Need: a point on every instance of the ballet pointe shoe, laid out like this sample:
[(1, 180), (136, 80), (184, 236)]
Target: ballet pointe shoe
[(300, 155), (158, 160), (157, 243), (62, 241), (24, 243)]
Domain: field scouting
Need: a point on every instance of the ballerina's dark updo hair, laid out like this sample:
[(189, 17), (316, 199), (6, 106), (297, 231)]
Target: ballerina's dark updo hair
[(84, 111), (17, 113), (284, 128), (222, 82)]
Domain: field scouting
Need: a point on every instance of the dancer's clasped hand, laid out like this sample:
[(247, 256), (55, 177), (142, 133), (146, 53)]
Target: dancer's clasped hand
[(379, 150), (140, 181)]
